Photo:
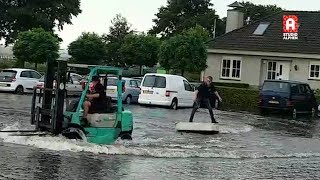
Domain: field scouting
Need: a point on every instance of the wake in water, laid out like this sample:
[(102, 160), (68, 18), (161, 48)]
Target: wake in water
[(160, 148)]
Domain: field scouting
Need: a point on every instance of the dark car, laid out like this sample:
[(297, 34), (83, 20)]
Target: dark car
[(289, 96)]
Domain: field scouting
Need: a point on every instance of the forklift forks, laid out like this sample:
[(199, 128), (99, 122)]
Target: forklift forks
[(49, 116)]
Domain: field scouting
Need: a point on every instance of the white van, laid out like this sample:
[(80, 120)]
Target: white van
[(166, 90)]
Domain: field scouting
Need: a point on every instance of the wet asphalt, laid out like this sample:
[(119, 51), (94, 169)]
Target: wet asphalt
[(249, 147)]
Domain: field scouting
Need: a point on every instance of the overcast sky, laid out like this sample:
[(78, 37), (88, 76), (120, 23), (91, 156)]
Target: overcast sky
[(97, 14)]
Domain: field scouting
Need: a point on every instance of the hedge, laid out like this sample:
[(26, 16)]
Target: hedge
[(236, 85), (5, 63), (239, 99), (223, 84)]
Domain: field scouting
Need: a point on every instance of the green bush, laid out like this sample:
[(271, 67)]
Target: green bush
[(239, 99), (41, 67), (236, 85), (7, 63), (222, 84)]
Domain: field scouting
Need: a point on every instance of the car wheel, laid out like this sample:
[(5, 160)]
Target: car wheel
[(19, 90), (174, 104), (294, 113), (263, 111), (128, 100)]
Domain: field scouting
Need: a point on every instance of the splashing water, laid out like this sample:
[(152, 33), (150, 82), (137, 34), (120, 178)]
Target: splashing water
[(146, 147)]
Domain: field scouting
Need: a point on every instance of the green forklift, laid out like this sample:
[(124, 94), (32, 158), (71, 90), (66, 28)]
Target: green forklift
[(54, 113)]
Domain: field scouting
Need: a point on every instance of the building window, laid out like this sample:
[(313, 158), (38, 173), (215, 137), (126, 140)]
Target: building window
[(231, 68), (261, 29), (314, 70), (272, 70)]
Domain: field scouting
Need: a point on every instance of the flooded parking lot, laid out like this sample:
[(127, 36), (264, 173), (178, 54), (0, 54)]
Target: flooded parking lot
[(250, 147)]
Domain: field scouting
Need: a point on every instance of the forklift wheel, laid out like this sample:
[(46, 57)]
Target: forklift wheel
[(74, 133), (126, 135)]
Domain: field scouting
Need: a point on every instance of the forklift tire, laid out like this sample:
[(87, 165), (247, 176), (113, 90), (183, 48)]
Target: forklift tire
[(74, 131), (126, 135)]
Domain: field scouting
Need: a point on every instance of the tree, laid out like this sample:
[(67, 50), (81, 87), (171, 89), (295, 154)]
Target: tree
[(257, 12), (117, 32), (89, 48), (23, 15), (186, 52), (36, 46), (180, 15), (198, 32), (140, 50)]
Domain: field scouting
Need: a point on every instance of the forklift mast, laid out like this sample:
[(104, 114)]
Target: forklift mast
[(49, 116)]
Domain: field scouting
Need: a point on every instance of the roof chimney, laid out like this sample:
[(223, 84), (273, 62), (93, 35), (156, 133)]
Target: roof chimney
[(234, 17)]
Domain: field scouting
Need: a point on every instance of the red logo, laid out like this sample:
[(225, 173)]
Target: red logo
[(290, 23)]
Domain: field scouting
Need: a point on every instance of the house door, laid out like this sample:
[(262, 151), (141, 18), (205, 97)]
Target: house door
[(278, 70)]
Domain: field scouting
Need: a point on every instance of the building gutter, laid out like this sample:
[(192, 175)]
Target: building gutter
[(261, 53)]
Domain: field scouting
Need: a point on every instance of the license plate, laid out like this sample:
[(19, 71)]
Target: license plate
[(274, 102), (3, 85), (147, 92), (111, 91)]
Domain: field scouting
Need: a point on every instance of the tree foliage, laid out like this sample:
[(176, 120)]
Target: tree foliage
[(140, 50), (117, 32), (36, 46), (257, 12), (186, 52), (89, 48), (22, 15), (180, 15), (198, 32)]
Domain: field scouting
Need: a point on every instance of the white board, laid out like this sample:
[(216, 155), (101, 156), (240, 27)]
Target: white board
[(197, 127)]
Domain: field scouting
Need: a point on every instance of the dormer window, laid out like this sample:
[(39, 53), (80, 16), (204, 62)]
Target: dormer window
[(261, 29)]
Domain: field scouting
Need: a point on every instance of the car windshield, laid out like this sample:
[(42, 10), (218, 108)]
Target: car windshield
[(76, 78), (41, 79), (8, 73), (154, 81), (113, 82), (276, 86)]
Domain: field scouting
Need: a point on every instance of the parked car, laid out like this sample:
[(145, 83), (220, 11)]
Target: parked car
[(18, 80), (138, 78), (291, 96), (166, 90), (74, 86), (130, 89)]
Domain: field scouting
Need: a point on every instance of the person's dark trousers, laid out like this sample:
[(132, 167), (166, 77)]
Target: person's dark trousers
[(196, 106)]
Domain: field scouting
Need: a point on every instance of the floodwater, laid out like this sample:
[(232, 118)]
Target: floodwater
[(249, 147)]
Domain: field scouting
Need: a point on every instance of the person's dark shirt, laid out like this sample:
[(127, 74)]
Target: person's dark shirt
[(98, 88), (212, 88), (203, 91)]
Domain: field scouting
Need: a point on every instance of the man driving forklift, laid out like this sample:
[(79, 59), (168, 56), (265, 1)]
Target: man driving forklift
[(96, 100)]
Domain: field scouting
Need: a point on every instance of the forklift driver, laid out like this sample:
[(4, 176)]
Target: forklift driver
[(96, 100)]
